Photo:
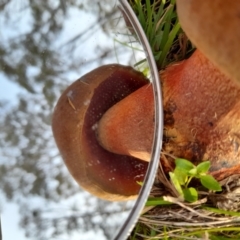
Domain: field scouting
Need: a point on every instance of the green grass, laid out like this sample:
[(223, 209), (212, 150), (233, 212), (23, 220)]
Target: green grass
[(158, 223), (161, 26), (167, 217)]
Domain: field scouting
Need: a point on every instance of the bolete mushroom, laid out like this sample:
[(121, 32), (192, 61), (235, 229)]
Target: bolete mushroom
[(100, 143), (132, 122), (75, 121)]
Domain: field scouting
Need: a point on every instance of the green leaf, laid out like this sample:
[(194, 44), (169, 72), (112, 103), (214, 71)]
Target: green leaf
[(166, 23), (210, 183), (190, 194), (193, 172), (149, 19), (169, 43), (220, 238), (176, 183), (184, 164), (157, 202), (139, 183), (181, 175), (203, 167), (220, 211)]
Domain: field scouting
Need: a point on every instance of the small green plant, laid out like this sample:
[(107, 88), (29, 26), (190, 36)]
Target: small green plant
[(185, 171), (160, 24)]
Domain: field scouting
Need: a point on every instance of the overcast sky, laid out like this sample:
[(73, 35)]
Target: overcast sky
[(9, 92)]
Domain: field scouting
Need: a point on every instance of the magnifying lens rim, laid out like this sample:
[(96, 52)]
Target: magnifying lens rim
[(0, 229), (158, 135)]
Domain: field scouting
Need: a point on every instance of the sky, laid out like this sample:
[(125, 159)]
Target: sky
[(10, 220), (9, 211), (9, 92)]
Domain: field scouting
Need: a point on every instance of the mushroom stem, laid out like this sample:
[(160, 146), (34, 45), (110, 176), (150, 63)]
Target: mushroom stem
[(201, 116), (127, 128), (201, 108)]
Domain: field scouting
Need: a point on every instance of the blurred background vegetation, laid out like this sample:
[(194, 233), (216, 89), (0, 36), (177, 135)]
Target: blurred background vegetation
[(40, 57)]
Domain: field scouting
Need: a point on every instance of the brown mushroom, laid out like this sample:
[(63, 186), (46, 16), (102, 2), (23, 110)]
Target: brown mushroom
[(75, 119), (201, 109), (213, 26)]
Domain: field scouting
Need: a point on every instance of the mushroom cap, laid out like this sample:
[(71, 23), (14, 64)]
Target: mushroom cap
[(75, 119), (213, 26), (132, 120)]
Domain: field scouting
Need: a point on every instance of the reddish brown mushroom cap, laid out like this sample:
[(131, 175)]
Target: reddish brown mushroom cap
[(107, 175)]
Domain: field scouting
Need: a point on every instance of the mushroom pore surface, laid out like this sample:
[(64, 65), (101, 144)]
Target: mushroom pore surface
[(75, 120)]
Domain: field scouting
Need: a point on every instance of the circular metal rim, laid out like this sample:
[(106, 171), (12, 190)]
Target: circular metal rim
[(158, 133)]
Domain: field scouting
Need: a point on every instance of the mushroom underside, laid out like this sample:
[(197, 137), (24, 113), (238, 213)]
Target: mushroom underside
[(75, 121)]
